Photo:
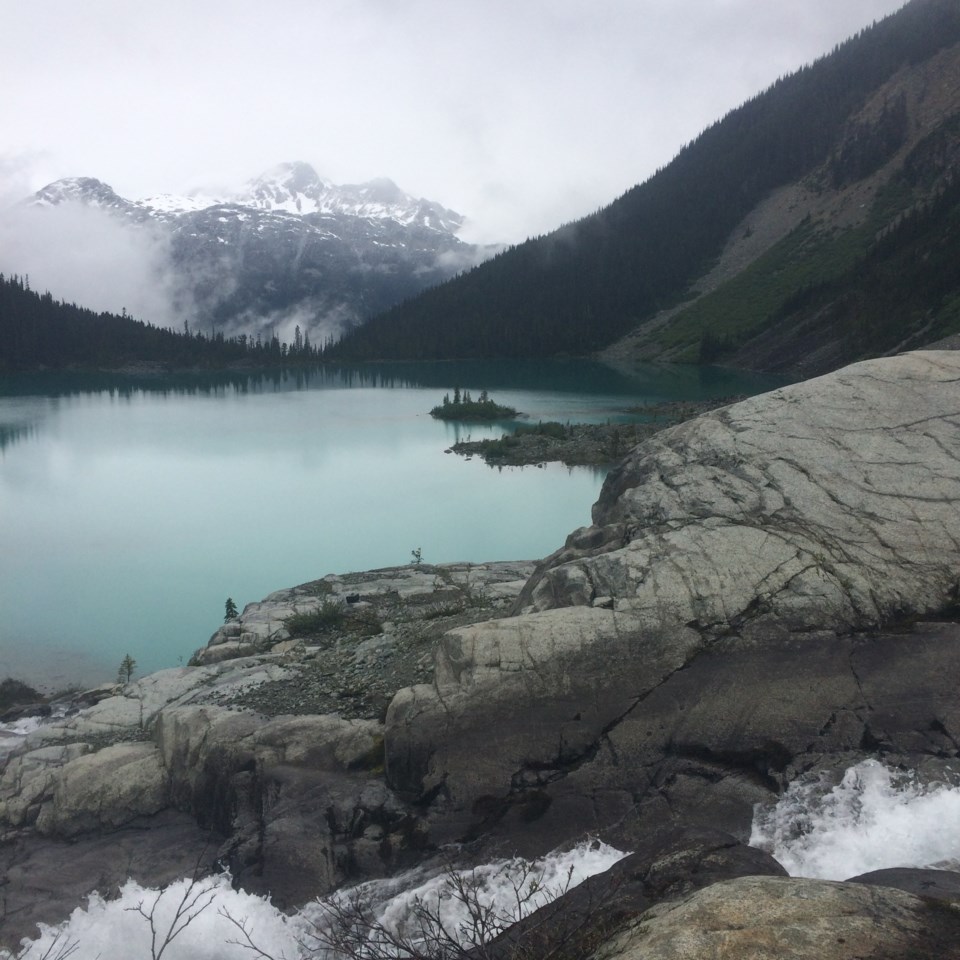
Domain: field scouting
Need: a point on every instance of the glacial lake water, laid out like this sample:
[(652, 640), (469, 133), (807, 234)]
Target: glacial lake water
[(130, 509)]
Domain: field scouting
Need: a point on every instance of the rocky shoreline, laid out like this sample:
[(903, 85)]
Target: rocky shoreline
[(584, 444), (337, 668), (766, 592)]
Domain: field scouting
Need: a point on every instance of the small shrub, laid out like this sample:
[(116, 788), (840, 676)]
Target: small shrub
[(366, 623), (328, 616), (15, 692), (332, 615), (440, 610)]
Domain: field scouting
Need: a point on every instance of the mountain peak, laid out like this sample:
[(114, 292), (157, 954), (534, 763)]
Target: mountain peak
[(86, 190), (294, 178), (292, 187)]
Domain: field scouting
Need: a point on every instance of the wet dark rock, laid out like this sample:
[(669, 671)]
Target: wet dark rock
[(937, 884), (43, 879)]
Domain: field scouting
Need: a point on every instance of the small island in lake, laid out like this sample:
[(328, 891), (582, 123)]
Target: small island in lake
[(463, 407), (583, 444)]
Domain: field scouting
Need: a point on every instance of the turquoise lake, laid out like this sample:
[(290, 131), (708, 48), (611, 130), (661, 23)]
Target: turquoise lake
[(131, 509)]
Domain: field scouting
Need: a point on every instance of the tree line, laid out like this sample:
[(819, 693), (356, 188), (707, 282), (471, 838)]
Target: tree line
[(37, 331), (586, 284)]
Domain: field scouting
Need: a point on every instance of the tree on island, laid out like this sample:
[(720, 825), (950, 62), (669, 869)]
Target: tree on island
[(230, 611), (464, 407)]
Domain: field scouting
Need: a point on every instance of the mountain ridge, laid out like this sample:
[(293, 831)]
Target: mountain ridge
[(638, 267), (289, 187), (290, 248)]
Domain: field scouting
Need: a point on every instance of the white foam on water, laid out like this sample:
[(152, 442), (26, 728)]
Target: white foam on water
[(20, 728), (874, 818), (501, 892), (12, 733), (105, 928), (114, 928)]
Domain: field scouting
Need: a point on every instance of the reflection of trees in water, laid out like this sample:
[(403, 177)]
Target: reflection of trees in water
[(11, 433), (568, 377)]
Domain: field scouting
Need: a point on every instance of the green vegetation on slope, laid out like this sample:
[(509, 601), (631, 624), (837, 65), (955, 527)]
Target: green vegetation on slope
[(866, 295), (581, 287)]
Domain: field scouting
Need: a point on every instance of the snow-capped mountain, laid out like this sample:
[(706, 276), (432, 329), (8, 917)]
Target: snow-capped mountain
[(86, 190), (294, 188), (290, 244)]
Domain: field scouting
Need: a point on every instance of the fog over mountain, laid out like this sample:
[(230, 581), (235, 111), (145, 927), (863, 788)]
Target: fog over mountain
[(520, 116), (289, 249)]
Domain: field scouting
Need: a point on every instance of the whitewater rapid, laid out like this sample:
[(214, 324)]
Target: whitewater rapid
[(230, 920), (875, 817)]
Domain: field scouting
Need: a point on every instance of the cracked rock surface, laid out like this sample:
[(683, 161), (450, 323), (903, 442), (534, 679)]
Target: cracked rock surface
[(748, 605), (828, 503)]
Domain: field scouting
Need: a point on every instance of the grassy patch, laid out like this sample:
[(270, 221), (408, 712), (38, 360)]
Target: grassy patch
[(752, 299), (440, 610), (332, 616), (809, 258)]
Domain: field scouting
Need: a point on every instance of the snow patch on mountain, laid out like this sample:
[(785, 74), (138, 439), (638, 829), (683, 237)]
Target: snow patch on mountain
[(291, 188), (289, 248)]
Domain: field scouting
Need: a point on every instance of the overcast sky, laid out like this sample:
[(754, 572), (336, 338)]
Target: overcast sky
[(520, 114)]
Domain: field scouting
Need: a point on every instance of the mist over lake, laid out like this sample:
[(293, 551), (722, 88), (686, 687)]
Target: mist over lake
[(130, 509)]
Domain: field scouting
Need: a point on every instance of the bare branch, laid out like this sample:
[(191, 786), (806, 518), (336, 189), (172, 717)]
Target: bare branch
[(56, 951), (247, 943), (197, 897)]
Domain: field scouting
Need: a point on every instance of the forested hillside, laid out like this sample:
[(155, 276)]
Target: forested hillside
[(851, 118), (37, 332)]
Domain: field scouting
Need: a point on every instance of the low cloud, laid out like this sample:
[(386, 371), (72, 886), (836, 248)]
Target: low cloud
[(316, 318), (87, 256), (462, 259)]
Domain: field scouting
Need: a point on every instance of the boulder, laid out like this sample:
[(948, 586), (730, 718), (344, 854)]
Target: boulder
[(267, 784), (936, 884), (773, 918), (102, 790), (29, 779)]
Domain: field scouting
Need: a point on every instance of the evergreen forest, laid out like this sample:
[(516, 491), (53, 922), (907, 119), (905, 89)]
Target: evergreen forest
[(580, 288), (37, 332)]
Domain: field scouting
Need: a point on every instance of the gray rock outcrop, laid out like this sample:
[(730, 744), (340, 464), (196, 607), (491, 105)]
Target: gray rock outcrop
[(724, 622), (238, 760), (827, 504)]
